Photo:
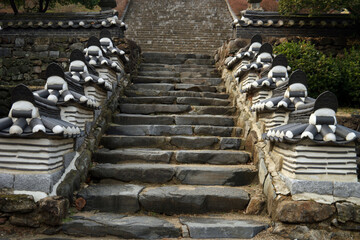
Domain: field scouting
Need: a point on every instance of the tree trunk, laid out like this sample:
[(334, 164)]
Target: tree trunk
[(13, 6), (41, 5), (46, 5)]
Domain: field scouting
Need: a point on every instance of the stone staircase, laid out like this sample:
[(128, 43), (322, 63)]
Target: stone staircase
[(170, 165), (181, 26)]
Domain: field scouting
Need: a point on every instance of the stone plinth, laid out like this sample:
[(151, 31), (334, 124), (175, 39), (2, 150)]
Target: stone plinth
[(77, 115), (307, 160)]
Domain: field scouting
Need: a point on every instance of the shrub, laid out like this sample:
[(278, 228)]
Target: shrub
[(341, 75)]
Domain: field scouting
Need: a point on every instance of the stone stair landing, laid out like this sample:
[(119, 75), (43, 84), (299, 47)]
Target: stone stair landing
[(184, 26), (171, 163)]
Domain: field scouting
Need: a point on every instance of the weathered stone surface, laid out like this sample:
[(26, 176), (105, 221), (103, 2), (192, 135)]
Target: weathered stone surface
[(212, 175), (152, 130), (153, 108), (262, 171), (213, 131), (149, 173), (25, 220), (348, 212), (303, 211), (222, 228), (113, 142), (135, 155), (205, 120), (256, 205), (195, 88), (149, 100), (112, 198), (132, 227), (194, 142), (11, 203), (213, 110), (202, 101), (303, 186), (347, 189), (155, 86), (6, 180), (230, 143), (53, 210), (190, 199), (212, 157), (33, 182), (69, 185), (130, 119)]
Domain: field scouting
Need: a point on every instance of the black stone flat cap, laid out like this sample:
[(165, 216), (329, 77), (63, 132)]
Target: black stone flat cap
[(55, 70), (93, 41), (298, 76), (266, 47), (105, 34), (255, 38), (326, 100), (22, 93), (280, 60), (77, 55)]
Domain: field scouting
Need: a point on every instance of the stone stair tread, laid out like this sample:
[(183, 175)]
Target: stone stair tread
[(122, 226), (205, 119), (193, 101), (134, 93), (171, 142), (178, 199), (89, 224), (201, 227), (189, 174), (179, 86), (156, 155), (156, 130)]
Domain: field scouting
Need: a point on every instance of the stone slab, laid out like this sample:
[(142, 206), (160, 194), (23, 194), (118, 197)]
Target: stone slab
[(150, 130), (204, 120), (303, 186), (194, 142), (230, 143), (215, 175), (148, 173), (131, 119), (125, 227), (222, 228), (6, 180), (149, 100), (218, 157), (155, 86), (214, 131), (202, 101), (153, 108), (132, 155), (213, 110), (193, 199), (119, 198), (113, 142), (347, 189)]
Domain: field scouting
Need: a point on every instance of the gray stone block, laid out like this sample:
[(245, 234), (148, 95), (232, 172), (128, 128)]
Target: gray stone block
[(222, 228), (230, 143), (112, 198), (153, 108), (6, 180), (54, 54), (303, 186), (19, 42), (5, 52), (68, 157), (194, 142), (149, 173), (113, 142), (134, 155), (347, 189), (132, 227), (193, 199), (33, 182), (219, 157)]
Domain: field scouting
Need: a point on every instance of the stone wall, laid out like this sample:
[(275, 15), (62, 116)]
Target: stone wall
[(287, 205)]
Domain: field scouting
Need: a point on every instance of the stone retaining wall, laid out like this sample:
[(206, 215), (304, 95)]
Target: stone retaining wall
[(284, 203)]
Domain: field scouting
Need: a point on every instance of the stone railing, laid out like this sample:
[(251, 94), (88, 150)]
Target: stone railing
[(49, 136), (307, 161)]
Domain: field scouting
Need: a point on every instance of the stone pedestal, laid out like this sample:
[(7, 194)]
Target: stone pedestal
[(307, 160), (77, 115), (33, 164)]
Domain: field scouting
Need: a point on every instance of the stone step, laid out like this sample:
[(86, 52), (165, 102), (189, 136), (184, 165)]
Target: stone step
[(171, 142), (180, 86), (175, 108), (184, 174), (194, 101), (178, 60), (121, 226), (151, 155), (195, 73), (133, 119), (139, 93), (171, 199), (148, 227), (149, 56), (186, 80), (161, 130), (193, 199), (176, 68)]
